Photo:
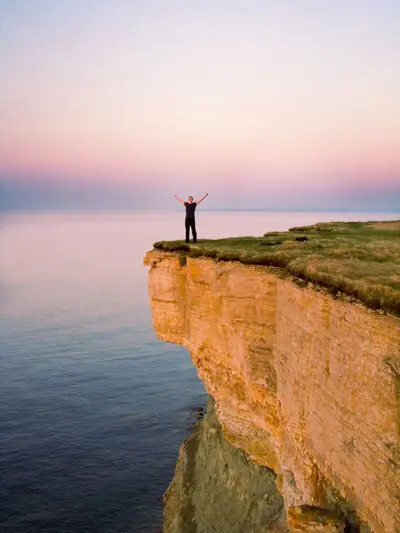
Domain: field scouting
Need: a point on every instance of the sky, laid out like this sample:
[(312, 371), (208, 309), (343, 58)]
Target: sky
[(264, 104)]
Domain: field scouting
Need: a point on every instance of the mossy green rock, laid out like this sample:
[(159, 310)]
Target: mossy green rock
[(216, 488)]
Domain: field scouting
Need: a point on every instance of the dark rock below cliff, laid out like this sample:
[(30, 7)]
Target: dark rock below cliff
[(216, 488)]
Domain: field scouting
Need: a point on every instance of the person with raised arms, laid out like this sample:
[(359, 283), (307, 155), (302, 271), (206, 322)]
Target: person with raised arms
[(190, 222)]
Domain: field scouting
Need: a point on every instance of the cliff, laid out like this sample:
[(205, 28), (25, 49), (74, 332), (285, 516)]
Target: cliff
[(217, 488), (305, 384)]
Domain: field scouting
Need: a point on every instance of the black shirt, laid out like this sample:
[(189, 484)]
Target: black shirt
[(190, 209)]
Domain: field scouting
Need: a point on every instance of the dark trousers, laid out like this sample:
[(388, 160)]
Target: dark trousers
[(190, 223)]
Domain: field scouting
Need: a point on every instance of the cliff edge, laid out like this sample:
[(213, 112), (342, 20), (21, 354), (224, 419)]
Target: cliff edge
[(305, 384)]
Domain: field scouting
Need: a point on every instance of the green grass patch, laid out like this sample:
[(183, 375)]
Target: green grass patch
[(358, 259)]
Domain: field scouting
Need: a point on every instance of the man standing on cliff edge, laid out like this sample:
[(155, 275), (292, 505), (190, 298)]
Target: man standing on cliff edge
[(190, 220)]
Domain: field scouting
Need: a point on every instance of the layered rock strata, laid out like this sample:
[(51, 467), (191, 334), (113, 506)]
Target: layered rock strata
[(306, 385)]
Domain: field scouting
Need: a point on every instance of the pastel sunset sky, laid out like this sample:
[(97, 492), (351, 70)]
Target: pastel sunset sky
[(264, 104)]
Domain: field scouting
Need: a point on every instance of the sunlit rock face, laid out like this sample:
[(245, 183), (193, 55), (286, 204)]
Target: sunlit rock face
[(306, 385)]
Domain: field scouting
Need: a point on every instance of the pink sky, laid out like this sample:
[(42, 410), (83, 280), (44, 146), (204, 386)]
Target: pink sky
[(246, 93)]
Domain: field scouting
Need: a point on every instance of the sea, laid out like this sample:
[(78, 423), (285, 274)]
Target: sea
[(93, 407)]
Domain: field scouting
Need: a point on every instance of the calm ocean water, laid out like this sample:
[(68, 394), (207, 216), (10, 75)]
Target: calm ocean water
[(93, 407)]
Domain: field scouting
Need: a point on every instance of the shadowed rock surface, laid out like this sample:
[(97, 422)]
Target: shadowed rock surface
[(216, 488)]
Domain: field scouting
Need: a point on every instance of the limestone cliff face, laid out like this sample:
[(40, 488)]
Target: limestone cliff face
[(306, 385), (217, 488)]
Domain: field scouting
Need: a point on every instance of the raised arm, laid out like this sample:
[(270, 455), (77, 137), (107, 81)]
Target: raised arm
[(201, 199), (179, 199)]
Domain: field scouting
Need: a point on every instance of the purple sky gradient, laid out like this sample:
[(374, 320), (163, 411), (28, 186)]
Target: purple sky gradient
[(250, 100)]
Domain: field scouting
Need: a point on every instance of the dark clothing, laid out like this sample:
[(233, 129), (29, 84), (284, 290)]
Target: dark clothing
[(190, 209), (190, 222)]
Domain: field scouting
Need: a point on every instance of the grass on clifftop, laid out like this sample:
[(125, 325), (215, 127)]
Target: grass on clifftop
[(360, 259)]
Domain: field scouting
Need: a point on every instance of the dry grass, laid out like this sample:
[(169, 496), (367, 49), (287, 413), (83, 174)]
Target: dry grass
[(359, 259)]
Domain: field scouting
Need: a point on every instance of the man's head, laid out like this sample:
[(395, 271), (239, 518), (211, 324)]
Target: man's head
[(190, 199)]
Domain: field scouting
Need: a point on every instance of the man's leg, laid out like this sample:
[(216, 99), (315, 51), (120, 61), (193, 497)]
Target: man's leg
[(194, 231), (187, 227)]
